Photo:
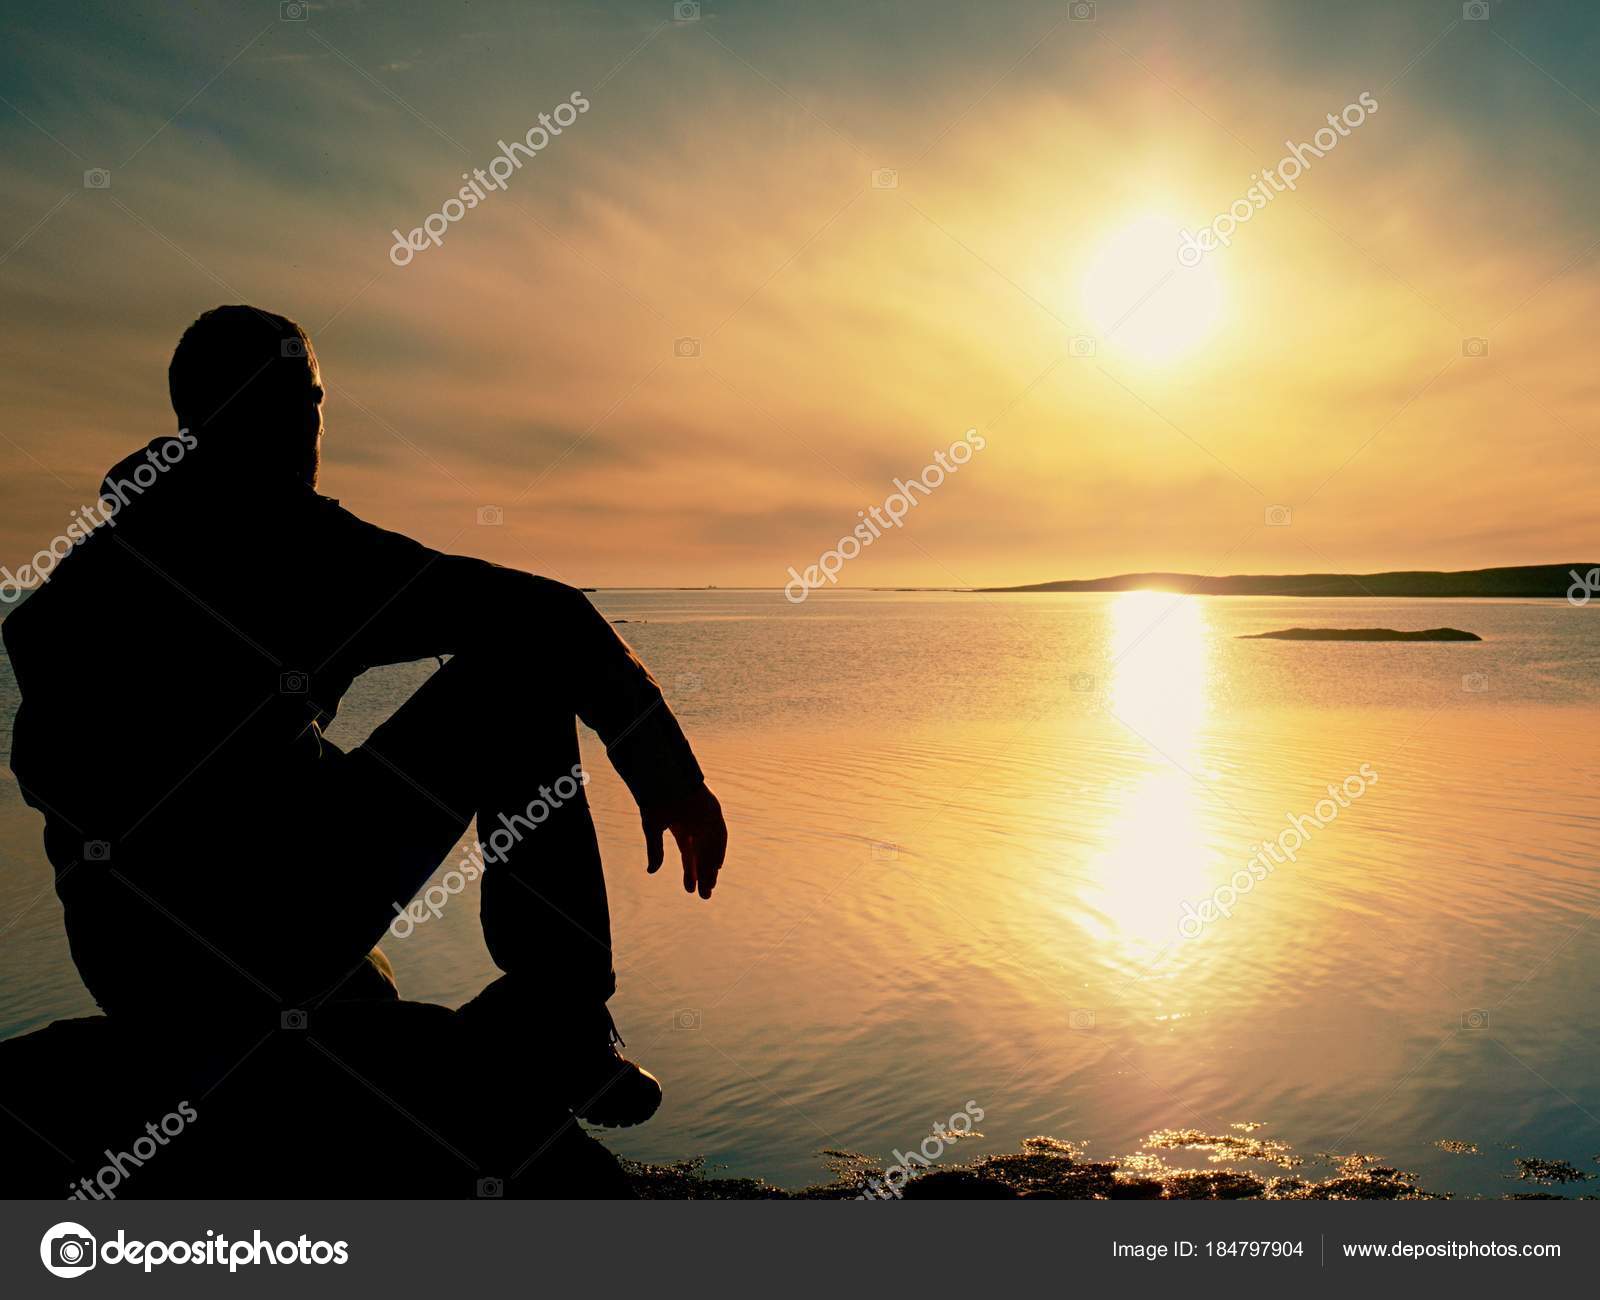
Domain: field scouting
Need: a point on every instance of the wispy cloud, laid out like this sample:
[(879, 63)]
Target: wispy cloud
[(721, 190)]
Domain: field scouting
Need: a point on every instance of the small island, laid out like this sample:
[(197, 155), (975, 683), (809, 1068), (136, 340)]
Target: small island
[(1362, 634)]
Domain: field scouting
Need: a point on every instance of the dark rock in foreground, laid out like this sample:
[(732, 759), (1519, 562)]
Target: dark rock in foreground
[(360, 1099), (1362, 634)]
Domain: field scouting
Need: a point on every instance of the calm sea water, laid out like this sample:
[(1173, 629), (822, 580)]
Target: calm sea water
[(967, 831)]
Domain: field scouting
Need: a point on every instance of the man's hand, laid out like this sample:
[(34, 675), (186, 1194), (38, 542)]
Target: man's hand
[(696, 824)]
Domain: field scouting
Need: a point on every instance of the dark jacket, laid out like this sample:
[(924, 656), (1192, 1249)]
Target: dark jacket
[(179, 666)]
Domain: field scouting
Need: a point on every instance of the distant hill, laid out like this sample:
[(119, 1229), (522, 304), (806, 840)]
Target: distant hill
[(1529, 581)]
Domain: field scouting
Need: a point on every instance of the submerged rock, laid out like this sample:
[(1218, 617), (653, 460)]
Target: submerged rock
[(1534, 1170)]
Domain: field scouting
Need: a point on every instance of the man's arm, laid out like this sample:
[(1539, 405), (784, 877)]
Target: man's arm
[(405, 601)]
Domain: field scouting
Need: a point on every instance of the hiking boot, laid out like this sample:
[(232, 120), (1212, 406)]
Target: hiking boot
[(605, 1087)]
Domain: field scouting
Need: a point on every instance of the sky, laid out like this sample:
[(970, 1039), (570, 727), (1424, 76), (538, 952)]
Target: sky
[(789, 252)]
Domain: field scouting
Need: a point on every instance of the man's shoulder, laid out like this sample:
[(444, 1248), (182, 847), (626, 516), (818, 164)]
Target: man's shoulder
[(329, 513), (343, 529)]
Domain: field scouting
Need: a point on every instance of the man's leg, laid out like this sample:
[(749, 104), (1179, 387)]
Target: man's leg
[(476, 740), (480, 739)]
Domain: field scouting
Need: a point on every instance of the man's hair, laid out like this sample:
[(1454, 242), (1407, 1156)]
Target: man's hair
[(236, 363)]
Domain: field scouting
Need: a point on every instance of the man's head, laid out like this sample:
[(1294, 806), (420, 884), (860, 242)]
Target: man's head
[(245, 382)]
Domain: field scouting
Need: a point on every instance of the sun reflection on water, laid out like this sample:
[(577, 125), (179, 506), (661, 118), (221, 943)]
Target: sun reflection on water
[(1154, 852)]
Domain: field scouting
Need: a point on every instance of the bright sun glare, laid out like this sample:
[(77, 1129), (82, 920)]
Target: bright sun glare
[(1142, 301), (1158, 849)]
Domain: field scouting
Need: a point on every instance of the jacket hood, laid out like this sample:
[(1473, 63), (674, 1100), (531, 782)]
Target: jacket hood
[(132, 477)]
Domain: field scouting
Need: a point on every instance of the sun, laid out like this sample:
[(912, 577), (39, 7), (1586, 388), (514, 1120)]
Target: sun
[(1142, 300)]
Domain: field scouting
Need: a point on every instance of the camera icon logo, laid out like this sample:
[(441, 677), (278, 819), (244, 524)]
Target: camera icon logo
[(491, 516), (97, 178), (688, 683), (686, 1019), (1475, 683), (1082, 683), (884, 851), (686, 11), (292, 348), (1083, 345), (68, 1250), (1082, 1018), (97, 851), (491, 1189), (295, 1019), (1081, 11), (685, 347), (294, 683), (1475, 11), (885, 178), (1477, 1018), (1279, 516), (1474, 347), (294, 11)]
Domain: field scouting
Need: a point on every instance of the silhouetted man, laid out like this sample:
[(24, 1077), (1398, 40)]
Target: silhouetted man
[(213, 851)]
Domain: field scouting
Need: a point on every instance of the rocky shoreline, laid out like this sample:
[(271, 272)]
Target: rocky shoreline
[(1048, 1168)]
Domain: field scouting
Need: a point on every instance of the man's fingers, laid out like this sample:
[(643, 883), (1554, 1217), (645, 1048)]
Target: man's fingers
[(707, 861), (701, 834), (654, 846), (709, 864), (687, 853)]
